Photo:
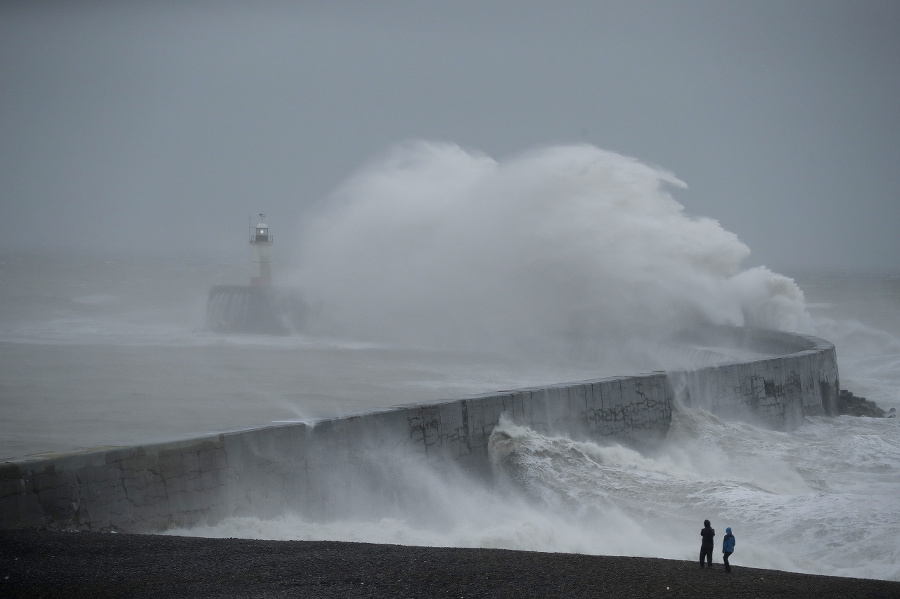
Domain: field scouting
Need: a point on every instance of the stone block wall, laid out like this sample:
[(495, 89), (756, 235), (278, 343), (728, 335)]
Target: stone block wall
[(322, 469)]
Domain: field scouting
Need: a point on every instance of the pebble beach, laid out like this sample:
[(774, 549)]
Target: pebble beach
[(45, 563)]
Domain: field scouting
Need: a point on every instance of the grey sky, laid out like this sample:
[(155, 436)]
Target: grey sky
[(164, 124)]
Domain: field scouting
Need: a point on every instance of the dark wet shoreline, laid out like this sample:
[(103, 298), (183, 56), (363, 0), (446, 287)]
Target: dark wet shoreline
[(41, 563)]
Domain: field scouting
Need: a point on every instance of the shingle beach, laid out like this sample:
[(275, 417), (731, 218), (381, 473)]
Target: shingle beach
[(43, 563)]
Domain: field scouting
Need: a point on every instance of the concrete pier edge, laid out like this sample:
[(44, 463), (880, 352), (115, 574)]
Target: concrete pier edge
[(313, 468)]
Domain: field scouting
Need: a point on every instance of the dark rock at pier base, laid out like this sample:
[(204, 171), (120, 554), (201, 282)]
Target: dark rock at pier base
[(40, 563), (860, 406)]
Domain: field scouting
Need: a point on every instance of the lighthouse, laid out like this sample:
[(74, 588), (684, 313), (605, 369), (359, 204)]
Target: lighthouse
[(260, 307), (261, 253)]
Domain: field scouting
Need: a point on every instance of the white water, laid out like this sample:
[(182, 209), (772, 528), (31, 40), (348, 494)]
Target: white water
[(822, 500), (563, 251), (439, 273)]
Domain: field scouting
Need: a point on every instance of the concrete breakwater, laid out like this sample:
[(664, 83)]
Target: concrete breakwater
[(318, 469)]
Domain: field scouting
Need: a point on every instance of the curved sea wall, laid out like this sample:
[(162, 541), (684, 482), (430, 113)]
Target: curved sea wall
[(319, 469), (797, 377)]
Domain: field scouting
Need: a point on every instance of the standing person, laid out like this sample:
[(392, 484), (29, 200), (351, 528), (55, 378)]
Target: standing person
[(727, 548), (706, 546)]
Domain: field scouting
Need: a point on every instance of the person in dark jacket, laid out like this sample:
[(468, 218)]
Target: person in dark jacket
[(727, 548), (706, 546)]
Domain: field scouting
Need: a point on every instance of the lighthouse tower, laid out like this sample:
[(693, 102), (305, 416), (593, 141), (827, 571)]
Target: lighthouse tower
[(257, 308), (261, 253)]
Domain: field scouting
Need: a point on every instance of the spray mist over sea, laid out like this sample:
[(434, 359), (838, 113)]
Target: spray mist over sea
[(565, 252), (435, 273)]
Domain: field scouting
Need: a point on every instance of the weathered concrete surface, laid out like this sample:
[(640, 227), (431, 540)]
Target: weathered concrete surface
[(799, 379), (321, 469)]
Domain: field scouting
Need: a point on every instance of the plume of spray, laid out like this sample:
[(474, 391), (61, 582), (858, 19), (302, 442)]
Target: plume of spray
[(565, 251)]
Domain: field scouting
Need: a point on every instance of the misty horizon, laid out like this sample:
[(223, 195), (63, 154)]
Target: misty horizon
[(160, 128)]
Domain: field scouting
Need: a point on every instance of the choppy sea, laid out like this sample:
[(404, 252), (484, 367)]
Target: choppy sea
[(99, 350)]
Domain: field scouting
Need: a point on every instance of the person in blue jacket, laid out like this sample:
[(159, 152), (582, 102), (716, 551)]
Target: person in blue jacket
[(706, 545), (727, 548)]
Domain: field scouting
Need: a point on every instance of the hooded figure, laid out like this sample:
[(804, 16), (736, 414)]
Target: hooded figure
[(706, 546), (727, 548)]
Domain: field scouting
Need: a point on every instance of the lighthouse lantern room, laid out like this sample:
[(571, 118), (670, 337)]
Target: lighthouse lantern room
[(261, 253)]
